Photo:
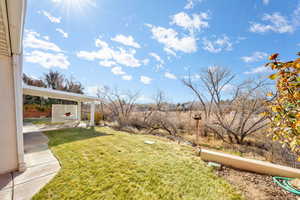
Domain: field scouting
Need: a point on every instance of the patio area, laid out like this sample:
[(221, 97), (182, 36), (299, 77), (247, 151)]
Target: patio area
[(42, 166)]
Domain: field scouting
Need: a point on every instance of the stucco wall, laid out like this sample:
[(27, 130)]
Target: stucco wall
[(8, 144)]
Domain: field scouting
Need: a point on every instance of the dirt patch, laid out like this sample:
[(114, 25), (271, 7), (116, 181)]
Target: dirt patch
[(255, 186)]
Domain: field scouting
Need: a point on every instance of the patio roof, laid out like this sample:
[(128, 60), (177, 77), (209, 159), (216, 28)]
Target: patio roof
[(57, 94)]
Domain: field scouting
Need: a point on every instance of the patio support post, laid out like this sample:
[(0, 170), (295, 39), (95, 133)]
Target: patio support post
[(17, 70), (79, 111), (92, 118)]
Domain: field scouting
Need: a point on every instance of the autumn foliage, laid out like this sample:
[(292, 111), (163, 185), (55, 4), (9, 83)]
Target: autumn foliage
[(284, 105)]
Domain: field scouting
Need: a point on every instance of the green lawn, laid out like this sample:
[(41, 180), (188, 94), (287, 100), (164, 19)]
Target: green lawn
[(105, 164)]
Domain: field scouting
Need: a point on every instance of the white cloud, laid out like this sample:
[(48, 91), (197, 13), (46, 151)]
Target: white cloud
[(193, 23), (126, 58), (107, 63), (213, 68), (46, 37), (126, 40), (158, 67), (296, 15), (101, 44), (228, 88), (217, 44), (48, 60), (191, 4), (170, 75), (145, 61), (93, 90), (266, 2), (117, 71), (157, 57), (34, 40), (146, 80), (193, 77), (120, 56), (127, 77), (274, 22), (144, 99), (169, 51), (50, 17), (258, 70), (62, 32), (80, 6), (33, 77), (169, 38), (160, 61), (90, 55), (256, 56)]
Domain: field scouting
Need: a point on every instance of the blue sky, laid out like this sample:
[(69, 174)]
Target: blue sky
[(150, 45)]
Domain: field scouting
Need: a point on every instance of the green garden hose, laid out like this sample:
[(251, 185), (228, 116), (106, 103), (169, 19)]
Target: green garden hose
[(285, 184)]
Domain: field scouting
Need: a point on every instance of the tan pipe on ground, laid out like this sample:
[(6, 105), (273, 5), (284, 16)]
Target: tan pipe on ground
[(252, 165)]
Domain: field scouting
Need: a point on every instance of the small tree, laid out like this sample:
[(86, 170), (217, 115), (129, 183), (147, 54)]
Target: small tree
[(237, 117), (284, 106)]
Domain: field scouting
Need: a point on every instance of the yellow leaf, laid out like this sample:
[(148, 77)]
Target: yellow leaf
[(273, 76), (273, 56), (269, 94), (263, 114)]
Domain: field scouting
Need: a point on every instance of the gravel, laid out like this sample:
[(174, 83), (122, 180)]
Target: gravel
[(255, 186)]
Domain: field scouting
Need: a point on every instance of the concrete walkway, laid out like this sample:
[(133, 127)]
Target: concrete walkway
[(29, 127), (41, 165)]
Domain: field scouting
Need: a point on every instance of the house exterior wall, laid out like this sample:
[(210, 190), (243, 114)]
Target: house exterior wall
[(8, 131)]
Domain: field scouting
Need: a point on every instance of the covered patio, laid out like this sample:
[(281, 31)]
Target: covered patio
[(57, 94), (41, 164)]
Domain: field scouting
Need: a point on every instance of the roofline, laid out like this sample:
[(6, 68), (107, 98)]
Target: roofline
[(16, 10), (57, 94)]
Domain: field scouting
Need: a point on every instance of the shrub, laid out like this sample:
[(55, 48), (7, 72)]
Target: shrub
[(98, 117), (284, 106)]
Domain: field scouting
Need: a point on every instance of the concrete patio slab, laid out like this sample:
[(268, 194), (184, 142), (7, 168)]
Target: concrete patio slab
[(38, 158), (26, 190), (6, 194), (36, 172), (41, 165), (5, 181), (31, 128), (34, 140)]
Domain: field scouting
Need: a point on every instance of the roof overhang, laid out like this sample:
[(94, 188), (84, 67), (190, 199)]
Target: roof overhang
[(12, 15), (57, 94)]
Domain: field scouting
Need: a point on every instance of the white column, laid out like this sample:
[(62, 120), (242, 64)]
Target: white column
[(92, 118), (17, 69), (79, 111)]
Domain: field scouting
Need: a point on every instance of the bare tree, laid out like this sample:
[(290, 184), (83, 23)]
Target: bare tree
[(160, 117), (239, 116), (74, 86), (120, 104), (54, 80), (159, 100), (235, 118)]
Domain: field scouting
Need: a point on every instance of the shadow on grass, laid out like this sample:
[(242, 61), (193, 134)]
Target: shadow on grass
[(69, 135)]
